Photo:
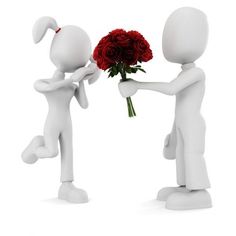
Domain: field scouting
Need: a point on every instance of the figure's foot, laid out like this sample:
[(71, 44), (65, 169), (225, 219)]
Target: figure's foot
[(70, 193), (196, 199), (164, 193), (28, 155)]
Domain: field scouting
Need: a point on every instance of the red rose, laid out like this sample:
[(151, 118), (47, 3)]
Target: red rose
[(141, 45), (120, 37), (135, 35), (101, 62), (96, 53), (98, 50), (130, 56), (104, 40), (111, 52), (104, 65), (146, 56)]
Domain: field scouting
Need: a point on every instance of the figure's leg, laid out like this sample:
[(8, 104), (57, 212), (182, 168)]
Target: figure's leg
[(195, 166), (66, 148), (180, 165), (50, 148), (67, 190), (164, 193), (169, 151), (195, 172), (28, 155)]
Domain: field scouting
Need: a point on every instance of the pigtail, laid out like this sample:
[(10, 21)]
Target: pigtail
[(42, 25)]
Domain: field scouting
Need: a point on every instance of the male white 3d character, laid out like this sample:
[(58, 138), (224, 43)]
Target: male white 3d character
[(70, 52), (184, 41)]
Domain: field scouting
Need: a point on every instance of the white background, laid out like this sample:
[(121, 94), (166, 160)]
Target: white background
[(118, 160)]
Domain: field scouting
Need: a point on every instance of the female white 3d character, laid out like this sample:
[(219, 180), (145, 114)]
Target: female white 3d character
[(184, 41), (70, 52)]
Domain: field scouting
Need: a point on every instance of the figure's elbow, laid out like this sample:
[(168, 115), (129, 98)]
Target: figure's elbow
[(84, 105), (83, 102), (37, 87), (40, 87), (171, 91)]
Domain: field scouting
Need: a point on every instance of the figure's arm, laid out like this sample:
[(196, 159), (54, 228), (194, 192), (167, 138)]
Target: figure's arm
[(170, 143), (97, 72), (81, 96), (44, 85), (184, 80), (93, 77), (81, 73), (173, 87)]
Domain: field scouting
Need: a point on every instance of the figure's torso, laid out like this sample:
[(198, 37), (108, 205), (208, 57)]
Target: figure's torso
[(59, 99), (189, 100), (58, 117)]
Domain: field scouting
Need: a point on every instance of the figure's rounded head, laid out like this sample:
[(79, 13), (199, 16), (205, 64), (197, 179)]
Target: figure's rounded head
[(185, 35), (71, 46), (70, 49)]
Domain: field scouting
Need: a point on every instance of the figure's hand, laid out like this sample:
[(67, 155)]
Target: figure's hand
[(92, 78), (92, 66), (128, 88), (169, 150), (80, 74)]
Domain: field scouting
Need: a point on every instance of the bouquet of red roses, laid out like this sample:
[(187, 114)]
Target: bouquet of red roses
[(120, 52)]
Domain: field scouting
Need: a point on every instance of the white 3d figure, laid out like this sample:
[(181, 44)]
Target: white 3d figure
[(70, 52), (184, 41)]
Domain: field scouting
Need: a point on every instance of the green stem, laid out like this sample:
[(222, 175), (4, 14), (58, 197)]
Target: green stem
[(129, 108), (131, 103), (131, 111)]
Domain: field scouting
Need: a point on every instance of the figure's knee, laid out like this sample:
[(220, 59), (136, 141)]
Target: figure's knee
[(28, 155), (194, 143), (39, 138), (44, 152), (66, 144), (54, 153), (195, 149)]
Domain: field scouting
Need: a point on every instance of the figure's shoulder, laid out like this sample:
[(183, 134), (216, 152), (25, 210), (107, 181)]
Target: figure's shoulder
[(197, 72)]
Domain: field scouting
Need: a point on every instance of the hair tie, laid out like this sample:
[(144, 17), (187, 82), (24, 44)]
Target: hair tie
[(57, 30)]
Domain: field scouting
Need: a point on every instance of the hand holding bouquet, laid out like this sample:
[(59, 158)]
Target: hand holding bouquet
[(122, 52)]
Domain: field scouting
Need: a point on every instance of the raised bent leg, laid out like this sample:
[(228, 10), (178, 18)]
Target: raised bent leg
[(28, 155), (50, 148)]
